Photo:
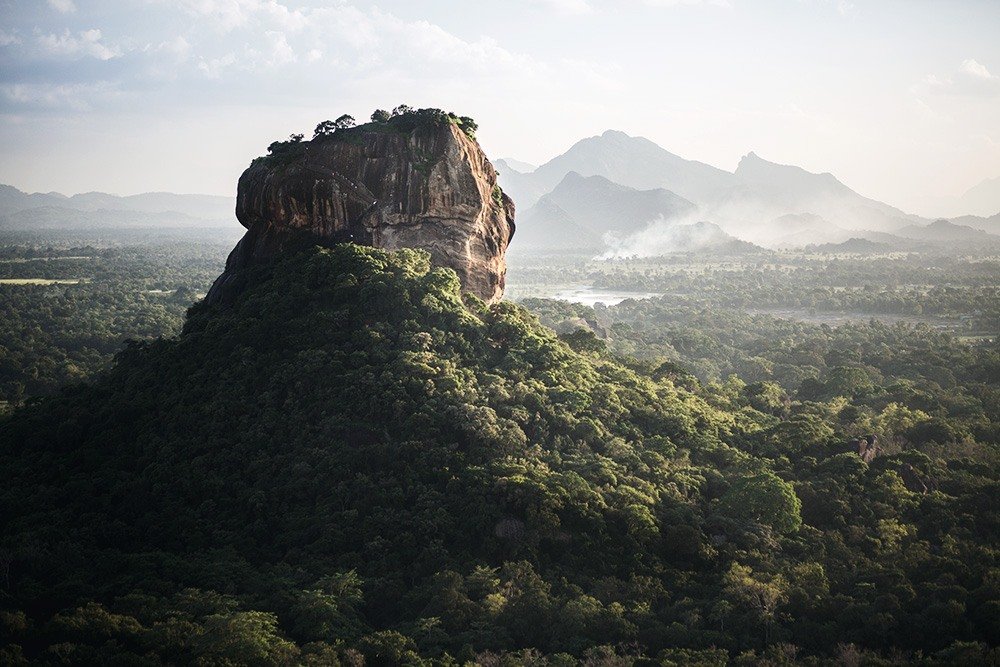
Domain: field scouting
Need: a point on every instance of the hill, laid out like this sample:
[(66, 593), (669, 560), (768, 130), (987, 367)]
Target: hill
[(584, 210), (156, 205), (982, 199), (857, 246), (750, 203), (989, 224), (949, 234), (349, 462), (631, 161), (771, 187), (61, 218)]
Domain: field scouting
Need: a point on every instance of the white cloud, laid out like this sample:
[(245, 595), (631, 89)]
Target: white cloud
[(228, 15), (847, 8), (977, 70), (214, 67), (178, 47), (83, 44), (569, 6), (279, 51), (682, 3), (8, 38), (63, 6), (75, 97), (971, 79)]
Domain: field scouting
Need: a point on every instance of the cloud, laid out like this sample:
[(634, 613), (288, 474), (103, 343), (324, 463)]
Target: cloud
[(74, 97), (569, 6), (229, 51), (178, 47), (972, 78), (86, 43), (977, 70), (278, 51), (8, 38), (229, 15), (63, 6), (847, 8), (683, 3), (214, 68)]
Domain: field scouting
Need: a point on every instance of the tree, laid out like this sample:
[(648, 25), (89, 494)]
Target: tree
[(343, 122), (324, 129), (765, 499), (761, 596), (380, 116), (402, 110), (328, 127)]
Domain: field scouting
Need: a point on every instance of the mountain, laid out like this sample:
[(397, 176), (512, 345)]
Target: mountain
[(989, 224), (744, 203), (795, 230), (59, 217), (415, 180), (355, 460), (982, 199), (768, 187), (546, 227), (348, 450), (632, 161), (204, 207), (852, 246), (510, 163), (947, 233), (582, 211)]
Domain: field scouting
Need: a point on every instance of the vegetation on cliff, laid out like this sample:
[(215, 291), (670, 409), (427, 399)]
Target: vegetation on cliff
[(402, 119), (355, 462)]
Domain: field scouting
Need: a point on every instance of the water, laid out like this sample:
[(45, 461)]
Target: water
[(589, 295)]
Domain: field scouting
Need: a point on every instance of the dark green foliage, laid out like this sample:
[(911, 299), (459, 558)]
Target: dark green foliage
[(403, 119), (352, 463), (52, 335)]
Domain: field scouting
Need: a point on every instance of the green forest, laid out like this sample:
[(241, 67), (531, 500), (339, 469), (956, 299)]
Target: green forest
[(356, 464), (68, 303)]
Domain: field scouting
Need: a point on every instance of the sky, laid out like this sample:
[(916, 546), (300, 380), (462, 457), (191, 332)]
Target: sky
[(900, 99)]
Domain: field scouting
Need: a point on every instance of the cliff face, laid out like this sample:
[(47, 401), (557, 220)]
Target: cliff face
[(431, 187)]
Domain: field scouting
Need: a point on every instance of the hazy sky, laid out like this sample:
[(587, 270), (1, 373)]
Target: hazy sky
[(899, 99)]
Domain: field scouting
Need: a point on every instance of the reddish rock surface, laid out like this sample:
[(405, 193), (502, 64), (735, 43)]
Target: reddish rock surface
[(431, 188)]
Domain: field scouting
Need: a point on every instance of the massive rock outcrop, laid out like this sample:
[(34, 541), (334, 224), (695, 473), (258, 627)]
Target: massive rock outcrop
[(423, 183)]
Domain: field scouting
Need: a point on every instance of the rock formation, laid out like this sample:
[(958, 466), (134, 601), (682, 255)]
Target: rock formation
[(418, 181)]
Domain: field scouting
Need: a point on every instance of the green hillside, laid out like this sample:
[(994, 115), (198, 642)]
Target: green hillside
[(353, 464)]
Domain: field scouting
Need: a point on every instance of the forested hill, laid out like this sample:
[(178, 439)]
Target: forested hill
[(354, 464)]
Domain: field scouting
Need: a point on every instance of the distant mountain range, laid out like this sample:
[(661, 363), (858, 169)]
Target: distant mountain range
[(582, 212), (52, 210), (613, 185), (983, 198)]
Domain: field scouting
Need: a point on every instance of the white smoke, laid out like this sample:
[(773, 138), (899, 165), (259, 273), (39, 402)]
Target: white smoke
[(663, 236)]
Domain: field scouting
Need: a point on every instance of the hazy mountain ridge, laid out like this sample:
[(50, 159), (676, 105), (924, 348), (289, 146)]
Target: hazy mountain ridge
[(761, 201), (597, 207), (204, 207), (982, 198), (943, 231)]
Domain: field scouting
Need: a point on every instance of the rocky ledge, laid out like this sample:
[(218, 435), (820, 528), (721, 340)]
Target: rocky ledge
[(417, 179)]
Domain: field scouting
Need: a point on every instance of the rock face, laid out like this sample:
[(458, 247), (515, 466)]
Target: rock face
[(430, 187)]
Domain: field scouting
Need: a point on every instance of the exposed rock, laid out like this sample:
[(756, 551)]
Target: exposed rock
[(427, 186), (867, 447)]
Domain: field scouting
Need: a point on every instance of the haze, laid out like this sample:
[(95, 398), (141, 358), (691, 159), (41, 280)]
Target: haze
[(900, 100)]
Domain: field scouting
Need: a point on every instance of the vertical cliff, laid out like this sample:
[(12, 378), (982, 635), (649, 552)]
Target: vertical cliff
[(418, 182)]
